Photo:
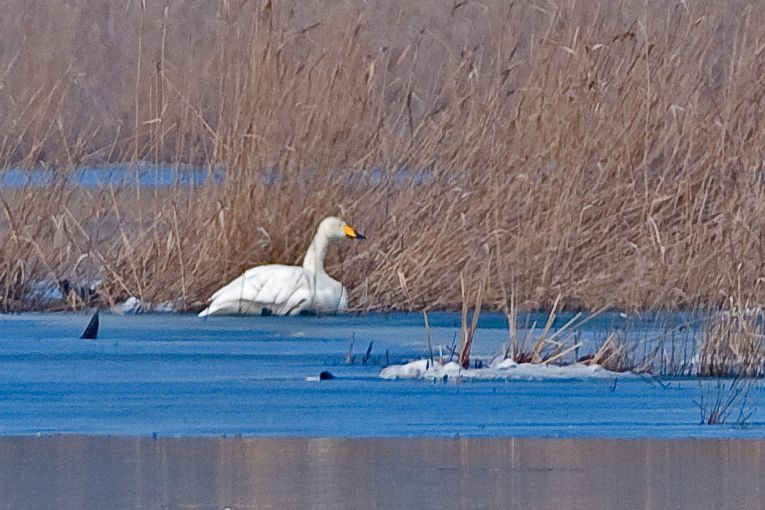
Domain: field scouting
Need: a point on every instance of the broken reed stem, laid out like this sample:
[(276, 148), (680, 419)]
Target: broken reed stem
[(464, 357), (468, 333), (368, 353), (428, 336), (512, 327), (349, 353)]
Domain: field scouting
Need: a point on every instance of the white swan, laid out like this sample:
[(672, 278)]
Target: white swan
[(288, 290)]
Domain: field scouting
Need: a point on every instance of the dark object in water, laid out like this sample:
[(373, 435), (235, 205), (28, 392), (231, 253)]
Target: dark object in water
[(326, 376), (368, 353), (91, 332)]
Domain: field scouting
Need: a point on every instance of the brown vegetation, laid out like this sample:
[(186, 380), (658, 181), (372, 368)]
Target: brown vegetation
[(609, 153), (734, 343)]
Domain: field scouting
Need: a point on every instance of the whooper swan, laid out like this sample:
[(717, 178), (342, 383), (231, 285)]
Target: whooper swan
[(288, 290)]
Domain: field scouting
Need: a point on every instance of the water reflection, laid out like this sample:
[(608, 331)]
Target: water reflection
[(90, 472)]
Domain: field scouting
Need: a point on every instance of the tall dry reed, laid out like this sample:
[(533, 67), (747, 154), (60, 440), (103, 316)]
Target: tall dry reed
[(607, 153), (733, 343)]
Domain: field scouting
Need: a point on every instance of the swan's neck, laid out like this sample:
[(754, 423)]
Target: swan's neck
[(314, 257)]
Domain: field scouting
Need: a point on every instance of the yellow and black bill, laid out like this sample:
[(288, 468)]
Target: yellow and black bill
[(351, 233)]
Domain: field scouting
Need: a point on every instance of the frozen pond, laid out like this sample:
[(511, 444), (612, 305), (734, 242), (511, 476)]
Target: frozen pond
[(178, 375)]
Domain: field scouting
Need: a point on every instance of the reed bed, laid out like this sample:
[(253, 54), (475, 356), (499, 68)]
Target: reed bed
[(600, 153), (734, 343), (727, 343)]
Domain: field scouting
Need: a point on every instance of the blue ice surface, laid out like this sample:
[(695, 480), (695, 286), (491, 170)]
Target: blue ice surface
[(143, 174), (179, 375), (149, 175)]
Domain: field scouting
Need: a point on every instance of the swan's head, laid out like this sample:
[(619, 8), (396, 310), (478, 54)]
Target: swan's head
[(335, 228)]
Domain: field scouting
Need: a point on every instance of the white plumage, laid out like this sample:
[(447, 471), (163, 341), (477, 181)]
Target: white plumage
[(288, 290)]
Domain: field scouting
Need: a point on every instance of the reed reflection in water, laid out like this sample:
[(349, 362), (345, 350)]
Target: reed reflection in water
[(85, 472)]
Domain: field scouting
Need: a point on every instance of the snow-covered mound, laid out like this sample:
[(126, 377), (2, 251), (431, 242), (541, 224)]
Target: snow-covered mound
[(501, 369)]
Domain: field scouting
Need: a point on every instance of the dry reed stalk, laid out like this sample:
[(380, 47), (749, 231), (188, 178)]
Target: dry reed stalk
[(612, 355), (611, 152), (717, 407), (552, 346), (733, 343), (544, 339), (467, 333)]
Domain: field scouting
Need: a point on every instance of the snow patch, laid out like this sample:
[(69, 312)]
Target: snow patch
[(54, 291), (505, 369), (45, 290), (166, 306), (133, 305), (130, 306)]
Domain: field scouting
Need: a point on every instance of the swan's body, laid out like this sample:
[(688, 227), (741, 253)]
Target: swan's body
[(279, 290), (288, 290)]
